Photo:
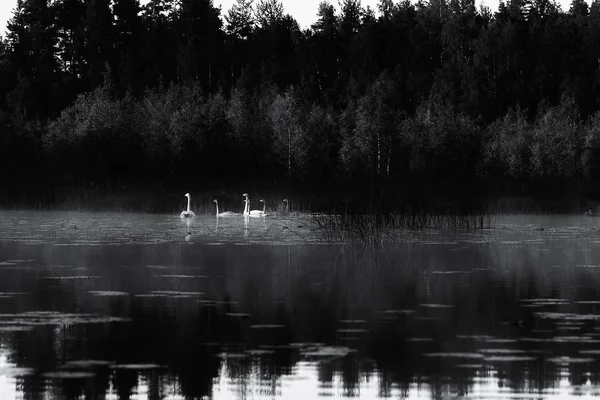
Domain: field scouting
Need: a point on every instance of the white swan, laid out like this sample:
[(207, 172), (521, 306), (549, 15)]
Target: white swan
[(246, 206), (224, 213), (188, 213), (259, 213), (253, 213)]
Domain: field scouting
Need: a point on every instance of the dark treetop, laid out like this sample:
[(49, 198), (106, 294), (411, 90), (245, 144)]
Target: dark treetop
[(407, 102)]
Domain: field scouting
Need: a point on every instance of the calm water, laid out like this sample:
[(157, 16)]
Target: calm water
[(153, 307)]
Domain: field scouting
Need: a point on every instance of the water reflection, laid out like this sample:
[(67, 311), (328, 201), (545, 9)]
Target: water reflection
[(483, 315), (188, 235)]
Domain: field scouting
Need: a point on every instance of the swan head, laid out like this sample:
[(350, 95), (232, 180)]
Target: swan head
[(215, 200), (285, 200), (187, 195), (261, 200), (245, 194)]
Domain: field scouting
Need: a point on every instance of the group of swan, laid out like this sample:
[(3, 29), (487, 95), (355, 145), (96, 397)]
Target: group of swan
[(247, 212)]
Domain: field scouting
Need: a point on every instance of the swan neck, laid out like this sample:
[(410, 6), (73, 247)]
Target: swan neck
[(189, 198), (217, 204)]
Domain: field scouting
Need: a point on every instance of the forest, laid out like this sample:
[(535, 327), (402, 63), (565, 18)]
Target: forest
[(427, 104)]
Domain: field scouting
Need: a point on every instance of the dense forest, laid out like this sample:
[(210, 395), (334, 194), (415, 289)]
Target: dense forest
[(409, 104)]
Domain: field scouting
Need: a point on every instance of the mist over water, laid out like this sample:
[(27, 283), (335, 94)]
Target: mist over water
[(152, 306)]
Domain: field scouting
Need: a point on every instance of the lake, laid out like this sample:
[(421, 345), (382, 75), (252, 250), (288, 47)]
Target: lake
[(110, 305)]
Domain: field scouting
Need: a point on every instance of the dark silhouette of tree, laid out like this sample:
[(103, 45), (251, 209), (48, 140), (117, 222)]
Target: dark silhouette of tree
[(32, 61), (128, 41), (99, 37), (269, 13), (374, 97), (199, 31), (240, 29), (158, 50)]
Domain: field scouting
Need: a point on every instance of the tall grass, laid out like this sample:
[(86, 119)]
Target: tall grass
[(381, 227), (379, 221)]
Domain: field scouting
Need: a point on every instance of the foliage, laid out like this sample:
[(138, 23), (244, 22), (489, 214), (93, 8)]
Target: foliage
[(290, 141), (432, 94), (507, 145), (557, 141)]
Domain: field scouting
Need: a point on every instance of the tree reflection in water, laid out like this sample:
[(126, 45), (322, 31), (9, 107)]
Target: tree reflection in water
[(454, 315)]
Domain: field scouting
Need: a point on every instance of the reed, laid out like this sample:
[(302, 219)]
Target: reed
[(344, 221)]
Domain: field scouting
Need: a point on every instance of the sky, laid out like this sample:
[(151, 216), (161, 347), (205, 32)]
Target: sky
[(304, 11)]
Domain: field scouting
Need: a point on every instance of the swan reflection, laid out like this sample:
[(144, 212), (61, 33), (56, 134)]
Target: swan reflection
[(188, 236)]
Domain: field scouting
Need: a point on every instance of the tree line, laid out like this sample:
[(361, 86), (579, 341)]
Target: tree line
[(411, 103)]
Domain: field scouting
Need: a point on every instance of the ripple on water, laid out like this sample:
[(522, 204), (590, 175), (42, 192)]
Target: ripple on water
[(470, 366), (594, 352), (500, 340), (136, 366), (68, 375), (562, 339), (234, 356), (12, 371), (327, 351), (509, 358), (15, 328), (305, 345), (568, 316), (71, 277), (551, 301), (86, 364), (35, 318), (356, 330), (150, 295), (260, 352), (570, 360), (502, 351), (455, 355), (176, 293), (396, 312), (436, 305), (475, 337), (267, 326), (449, 272), (107, 293)]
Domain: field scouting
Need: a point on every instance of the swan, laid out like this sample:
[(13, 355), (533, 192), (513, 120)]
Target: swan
[(246, 204), (224, 213), (188, 213), (253, 213), (259, 213)]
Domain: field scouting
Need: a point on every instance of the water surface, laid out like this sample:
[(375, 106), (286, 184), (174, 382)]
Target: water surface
[(111, 305)]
